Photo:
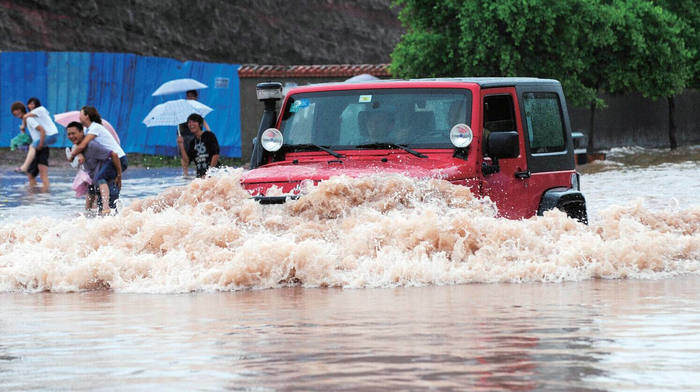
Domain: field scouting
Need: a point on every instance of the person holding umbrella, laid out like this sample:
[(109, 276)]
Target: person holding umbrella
[(203, 149), (190, 87)]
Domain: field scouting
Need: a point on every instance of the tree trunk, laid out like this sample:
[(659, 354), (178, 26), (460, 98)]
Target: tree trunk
[(672, 122), (591, 146)]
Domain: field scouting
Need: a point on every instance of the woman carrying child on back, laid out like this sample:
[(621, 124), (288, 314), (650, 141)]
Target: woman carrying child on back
[(40, 118)]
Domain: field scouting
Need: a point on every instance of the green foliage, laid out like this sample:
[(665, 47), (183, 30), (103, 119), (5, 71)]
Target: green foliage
[(429, 48), (688, 11), (650, 45), (589, 45)]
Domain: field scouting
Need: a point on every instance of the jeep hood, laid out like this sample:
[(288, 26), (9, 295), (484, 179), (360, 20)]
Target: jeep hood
[(287, 175)]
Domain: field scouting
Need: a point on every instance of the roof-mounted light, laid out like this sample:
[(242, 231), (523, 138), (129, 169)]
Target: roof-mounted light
[(269, 90)]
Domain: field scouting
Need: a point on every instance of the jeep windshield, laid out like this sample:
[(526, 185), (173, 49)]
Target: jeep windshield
[(374, 119)]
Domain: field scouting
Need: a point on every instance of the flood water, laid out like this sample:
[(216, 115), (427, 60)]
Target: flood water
[(365, 284)]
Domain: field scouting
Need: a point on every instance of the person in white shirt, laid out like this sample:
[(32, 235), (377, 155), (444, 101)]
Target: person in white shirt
[(41, 117), (39, 164), (92, 121)]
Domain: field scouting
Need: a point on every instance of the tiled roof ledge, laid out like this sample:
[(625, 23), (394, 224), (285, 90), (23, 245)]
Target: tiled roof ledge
[(312, 71)]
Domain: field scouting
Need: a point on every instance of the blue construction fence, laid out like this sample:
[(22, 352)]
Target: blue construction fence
[(119, 85)]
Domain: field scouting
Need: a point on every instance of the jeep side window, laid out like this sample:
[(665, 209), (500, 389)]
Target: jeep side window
[(544, 123), (499, 114)]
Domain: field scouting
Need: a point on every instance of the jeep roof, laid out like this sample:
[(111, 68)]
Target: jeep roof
[(481, 81)]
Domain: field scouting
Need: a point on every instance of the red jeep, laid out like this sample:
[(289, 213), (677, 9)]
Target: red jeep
[(505, 138)]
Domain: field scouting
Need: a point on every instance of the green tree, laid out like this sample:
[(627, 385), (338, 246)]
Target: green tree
[(688, 13), (550, 39), (647, 53), (591, 46), (430, 48), (539, 38)]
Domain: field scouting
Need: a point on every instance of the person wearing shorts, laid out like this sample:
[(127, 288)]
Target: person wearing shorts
[(108, 173), (40, 117), (91, 120), (40, 158), (106, 184), (38, 162)]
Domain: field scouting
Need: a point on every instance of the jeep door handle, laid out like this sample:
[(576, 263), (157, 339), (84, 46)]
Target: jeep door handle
[(522, 174)]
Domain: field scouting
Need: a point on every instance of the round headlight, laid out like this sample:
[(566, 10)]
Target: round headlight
[(461, 135), (272, 139)]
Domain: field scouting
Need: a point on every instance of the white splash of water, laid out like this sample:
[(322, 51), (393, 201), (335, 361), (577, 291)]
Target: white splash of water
[(379, 231)]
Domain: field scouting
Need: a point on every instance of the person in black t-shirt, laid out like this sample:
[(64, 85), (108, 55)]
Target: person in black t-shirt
[(203, 149), (184, 131)]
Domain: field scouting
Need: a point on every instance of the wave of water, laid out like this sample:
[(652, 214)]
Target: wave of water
[(635, 157), (380, 231)]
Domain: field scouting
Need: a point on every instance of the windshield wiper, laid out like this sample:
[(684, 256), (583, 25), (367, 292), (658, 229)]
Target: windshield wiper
[(315, 146), (392, 145)]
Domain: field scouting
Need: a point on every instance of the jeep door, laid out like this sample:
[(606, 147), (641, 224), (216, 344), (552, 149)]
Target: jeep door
[(510, 183), (548, 143)]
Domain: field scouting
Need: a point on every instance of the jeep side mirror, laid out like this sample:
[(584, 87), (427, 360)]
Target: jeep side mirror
[(503, 145)]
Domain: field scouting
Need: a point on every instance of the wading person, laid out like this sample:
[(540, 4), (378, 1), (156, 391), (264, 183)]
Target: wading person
[(37, 160), (203, 149), (92, 121), (43, 117), (184, 131), (102, 165)]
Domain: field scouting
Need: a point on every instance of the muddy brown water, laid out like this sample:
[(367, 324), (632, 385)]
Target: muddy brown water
[(368, 284)]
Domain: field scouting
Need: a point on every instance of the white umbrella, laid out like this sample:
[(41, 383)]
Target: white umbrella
[(179, 86), (175, 112), (361, 78)]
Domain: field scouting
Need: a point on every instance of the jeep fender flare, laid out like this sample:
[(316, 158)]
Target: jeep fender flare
[(568, 200)]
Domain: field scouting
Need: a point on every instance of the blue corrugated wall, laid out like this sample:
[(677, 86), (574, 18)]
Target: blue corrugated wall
[(120, 87)]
